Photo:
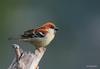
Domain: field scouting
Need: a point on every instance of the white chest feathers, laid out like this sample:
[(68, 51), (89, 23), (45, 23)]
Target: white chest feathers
[(44, 41)]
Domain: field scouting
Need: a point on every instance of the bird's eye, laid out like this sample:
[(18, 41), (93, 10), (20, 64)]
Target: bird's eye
[(52, 27)]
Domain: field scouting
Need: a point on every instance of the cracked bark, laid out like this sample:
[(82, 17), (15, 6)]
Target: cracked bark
[(26, 60)]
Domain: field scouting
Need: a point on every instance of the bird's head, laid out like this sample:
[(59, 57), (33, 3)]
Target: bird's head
[(50, 25)]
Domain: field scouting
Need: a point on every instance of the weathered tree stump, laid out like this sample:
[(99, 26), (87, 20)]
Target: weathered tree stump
[(26, 60)]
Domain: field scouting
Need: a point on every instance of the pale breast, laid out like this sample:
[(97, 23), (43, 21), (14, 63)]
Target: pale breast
[(44, 41)]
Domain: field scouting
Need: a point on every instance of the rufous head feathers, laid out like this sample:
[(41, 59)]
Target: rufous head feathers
[(50, 24)]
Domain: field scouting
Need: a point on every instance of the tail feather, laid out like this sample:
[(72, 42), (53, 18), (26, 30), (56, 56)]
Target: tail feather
[(14, 38)]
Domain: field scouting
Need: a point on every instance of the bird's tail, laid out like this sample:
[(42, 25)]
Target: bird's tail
[(19, 39), (14, 38)]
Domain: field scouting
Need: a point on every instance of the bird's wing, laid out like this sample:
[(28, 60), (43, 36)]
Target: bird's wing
[(34, 33), (28, 34), (40, 32)]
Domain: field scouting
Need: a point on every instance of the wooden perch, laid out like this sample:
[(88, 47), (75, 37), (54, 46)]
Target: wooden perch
[(26, 60)]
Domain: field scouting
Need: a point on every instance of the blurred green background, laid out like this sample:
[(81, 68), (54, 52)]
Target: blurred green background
[(77, 43)]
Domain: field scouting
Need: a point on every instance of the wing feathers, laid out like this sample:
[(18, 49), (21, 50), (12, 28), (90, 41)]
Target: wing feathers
[(34, 33)]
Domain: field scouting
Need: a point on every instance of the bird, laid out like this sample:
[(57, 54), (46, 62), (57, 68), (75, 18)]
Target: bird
[(41, 36)]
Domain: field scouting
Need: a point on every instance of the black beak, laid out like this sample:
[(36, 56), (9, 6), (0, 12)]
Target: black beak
[(56, 28)]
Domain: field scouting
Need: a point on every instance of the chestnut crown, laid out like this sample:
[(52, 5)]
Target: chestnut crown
[(50, 24)]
